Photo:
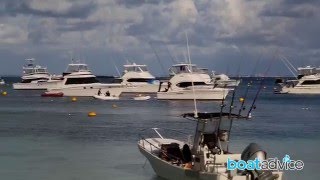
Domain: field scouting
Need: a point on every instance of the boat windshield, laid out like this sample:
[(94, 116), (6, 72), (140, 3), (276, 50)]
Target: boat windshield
[(136, 68), (185, 68), (37, 70), (76, 68)]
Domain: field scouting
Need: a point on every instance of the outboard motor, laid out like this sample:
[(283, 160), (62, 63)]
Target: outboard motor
[(251, 152)]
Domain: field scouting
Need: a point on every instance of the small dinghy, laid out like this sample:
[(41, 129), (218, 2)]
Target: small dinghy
[(102, 97), (141, 98), (49, 94)]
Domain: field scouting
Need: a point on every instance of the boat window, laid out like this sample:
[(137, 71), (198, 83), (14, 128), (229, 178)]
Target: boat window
[(170, 152), (136, 68), (77, 68), (310, 82), (36, 79), (28, 71), (88, 80), (42, 70), (139, 80), (187, 84)]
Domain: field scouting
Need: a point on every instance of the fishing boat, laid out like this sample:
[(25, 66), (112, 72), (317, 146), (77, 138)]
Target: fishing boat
[(137, 79), (307, 84), (35, 77), (78, 80), (223, 81), (206, 156), (187, 83)]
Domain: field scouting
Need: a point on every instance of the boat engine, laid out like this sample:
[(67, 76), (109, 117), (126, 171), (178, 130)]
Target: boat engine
[(251, 152)]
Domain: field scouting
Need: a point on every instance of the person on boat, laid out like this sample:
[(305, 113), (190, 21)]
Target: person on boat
[(99, 92), (107, 93), (169, 85)]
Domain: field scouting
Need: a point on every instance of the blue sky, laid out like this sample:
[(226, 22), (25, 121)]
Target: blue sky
[(222, 34)]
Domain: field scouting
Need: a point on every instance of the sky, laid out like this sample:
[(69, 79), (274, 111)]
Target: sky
[(237, 37)]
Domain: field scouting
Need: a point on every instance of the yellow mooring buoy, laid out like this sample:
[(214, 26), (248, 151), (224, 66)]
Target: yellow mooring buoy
[(4, 93), (92, 114), (241, 99), (114, 106), (73, 99)]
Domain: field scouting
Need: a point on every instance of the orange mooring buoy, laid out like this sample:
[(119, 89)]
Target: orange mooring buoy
[(92, 114)]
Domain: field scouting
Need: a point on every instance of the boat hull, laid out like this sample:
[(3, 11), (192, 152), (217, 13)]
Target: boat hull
[(30, 86), (106, 97), (300, 90), (43, 85), (88, 90), (210, 94), (148, 88), (171, 172)]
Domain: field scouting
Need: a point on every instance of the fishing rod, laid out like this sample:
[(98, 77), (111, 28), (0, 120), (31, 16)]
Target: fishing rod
[(157, 57), (243, 99), (231, 105), (190, 66), (171, 57), (260, 87)]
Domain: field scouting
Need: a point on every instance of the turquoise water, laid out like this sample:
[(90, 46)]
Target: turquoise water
[(53, 138)]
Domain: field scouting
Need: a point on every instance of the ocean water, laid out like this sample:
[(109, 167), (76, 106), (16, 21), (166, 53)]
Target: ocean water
[(53, 138)]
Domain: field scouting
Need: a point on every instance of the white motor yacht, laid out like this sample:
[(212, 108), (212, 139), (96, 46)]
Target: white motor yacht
[(35, 77), (205, 158), (2, 82), (222, 80), (79, 81), (307, 84), (137, 79), (183, 76)]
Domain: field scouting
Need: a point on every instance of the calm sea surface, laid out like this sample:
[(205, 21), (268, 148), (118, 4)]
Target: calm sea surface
[(53, 138)]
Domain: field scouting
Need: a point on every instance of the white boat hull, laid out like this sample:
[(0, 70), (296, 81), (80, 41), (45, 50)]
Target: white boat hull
[(147, 88), (300, 90), (89, 89), (171, 171), (106, 97), (200, 94), (33, 86)]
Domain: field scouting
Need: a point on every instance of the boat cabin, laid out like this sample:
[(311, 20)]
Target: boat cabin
[(135, 68), (134, 73), (79, 67), (213, 130), (183, 68), (30, 68), (308, 70)]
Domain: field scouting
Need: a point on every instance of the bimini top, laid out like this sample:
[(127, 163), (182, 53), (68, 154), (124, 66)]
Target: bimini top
[(214, 115)]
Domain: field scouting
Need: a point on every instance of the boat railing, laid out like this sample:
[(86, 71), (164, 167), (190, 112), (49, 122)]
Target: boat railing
[(168, 131), (158, 151)]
